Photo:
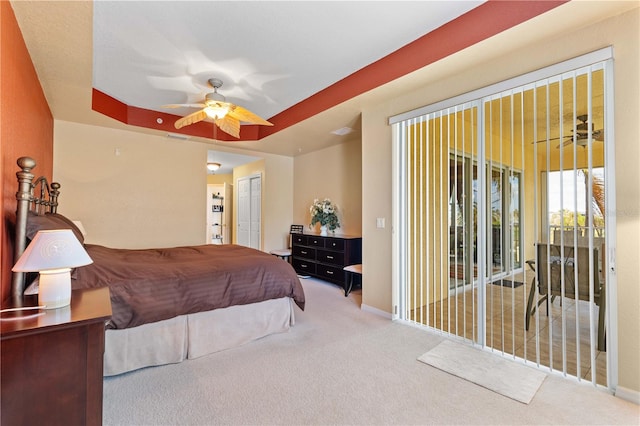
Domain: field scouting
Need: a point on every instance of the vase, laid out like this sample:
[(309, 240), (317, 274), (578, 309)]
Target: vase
[(323, 230)]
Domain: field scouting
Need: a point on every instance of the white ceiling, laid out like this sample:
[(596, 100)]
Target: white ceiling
[(270, 55)]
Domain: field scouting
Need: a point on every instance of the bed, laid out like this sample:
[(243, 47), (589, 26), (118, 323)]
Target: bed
[(169, 304)]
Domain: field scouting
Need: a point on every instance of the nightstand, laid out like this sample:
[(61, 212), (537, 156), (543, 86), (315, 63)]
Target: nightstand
[(51, 367)]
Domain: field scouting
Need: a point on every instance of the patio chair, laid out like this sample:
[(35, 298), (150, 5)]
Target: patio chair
[(550, 280)]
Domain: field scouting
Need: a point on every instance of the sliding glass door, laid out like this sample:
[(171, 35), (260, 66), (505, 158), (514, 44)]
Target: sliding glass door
[(502, 226)]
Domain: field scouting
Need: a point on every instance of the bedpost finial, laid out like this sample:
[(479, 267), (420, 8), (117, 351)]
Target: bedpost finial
[(26, 163)]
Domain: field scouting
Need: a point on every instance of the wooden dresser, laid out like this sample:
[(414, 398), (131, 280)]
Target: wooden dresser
[(52, 362), (324, 257)]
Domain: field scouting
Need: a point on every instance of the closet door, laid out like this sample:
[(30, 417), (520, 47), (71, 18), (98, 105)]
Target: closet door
[(249, 211), (256, 212)]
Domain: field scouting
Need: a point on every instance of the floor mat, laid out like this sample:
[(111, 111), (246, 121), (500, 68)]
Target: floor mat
[(503, 376), (507, 283)]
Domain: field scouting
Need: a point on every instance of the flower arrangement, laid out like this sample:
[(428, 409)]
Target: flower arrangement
[(324, 213)]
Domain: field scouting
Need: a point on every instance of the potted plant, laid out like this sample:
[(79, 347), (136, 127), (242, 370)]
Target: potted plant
[(325, 213)]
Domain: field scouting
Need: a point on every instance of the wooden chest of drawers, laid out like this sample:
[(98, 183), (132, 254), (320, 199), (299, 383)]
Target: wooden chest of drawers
[(324, 257), (52, 362)]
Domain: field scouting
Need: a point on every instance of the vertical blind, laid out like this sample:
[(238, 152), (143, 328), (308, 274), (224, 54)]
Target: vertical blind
[(502, 220)]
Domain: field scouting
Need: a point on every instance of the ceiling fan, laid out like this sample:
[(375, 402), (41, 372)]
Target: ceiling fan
[(581, 136), (225, 115)]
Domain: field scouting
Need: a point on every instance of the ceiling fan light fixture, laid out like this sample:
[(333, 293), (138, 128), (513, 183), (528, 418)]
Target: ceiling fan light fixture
[(216, 111), (226, 116), (213, 166)]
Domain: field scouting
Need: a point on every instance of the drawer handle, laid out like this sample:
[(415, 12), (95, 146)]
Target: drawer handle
[(303, 252), (330, 272), (334, 244), (303, 266), (329, 257), (315, 241)]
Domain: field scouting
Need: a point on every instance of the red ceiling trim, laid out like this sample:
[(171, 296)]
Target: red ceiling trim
[(108, 105), (486, 20), (150, 119)]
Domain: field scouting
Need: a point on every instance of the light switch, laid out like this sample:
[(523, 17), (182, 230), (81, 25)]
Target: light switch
[(380, 222)]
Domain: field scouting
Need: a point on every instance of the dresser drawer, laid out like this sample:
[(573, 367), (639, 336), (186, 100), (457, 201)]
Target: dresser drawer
[(330, 273), (333, 257), (304, 267), (334, 244), (306, 252), (315, 241), (299, 239)]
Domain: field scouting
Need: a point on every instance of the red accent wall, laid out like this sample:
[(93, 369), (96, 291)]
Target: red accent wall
[(26, 128)]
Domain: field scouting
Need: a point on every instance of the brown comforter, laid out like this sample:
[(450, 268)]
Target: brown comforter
[(156, 284)]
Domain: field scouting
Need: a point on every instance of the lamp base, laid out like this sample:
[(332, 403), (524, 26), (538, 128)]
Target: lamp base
[(54, 289)]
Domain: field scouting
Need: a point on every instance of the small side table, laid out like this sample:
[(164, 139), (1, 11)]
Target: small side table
[(351, 270), (52, 361), (283, 254)]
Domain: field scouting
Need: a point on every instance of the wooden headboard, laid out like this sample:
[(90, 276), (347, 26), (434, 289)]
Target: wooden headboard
[(44, 200)]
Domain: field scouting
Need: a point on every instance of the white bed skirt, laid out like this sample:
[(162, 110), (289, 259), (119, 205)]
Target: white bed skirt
[(194, 335)]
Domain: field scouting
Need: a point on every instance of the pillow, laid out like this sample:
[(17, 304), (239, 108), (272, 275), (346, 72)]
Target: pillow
[(36, 222)]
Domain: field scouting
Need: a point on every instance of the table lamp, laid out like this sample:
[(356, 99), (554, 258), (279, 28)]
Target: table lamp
[(53, 253)]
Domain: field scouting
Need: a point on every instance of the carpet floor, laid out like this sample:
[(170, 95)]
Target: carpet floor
[(339, 365)]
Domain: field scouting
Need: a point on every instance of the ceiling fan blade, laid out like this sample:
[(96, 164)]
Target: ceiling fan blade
[(567, 142), (184, 106), (229, 124), (246, 116), (190, 119), (550, 139)]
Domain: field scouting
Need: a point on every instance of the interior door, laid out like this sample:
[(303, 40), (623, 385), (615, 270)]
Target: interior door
[(244, 212), (256, 212), (249, 211)]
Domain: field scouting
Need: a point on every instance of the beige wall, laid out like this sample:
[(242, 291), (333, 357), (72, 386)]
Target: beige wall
[(218, 179), (277, 183), (509, 54), (131, 190), (335, 173), (153, 194)]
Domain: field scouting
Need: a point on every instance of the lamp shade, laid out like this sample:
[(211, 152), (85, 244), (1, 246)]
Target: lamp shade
[(52, 249)]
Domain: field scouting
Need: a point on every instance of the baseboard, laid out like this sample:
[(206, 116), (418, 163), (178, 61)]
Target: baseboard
[(376, 311), (628, 394)]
